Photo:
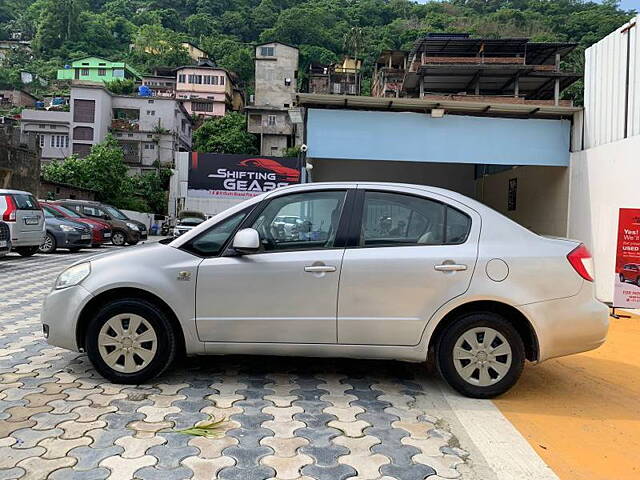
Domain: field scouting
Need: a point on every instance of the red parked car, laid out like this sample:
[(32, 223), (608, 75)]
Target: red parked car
[(630, 273), (100, 231)]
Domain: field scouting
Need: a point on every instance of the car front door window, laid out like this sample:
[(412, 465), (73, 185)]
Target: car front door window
[(300, 221)]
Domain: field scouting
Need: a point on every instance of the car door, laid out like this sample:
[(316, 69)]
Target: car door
[(285, 293), (409, 254)]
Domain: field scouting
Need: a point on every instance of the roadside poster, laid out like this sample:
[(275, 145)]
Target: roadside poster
[(240, 176), (627, 282)]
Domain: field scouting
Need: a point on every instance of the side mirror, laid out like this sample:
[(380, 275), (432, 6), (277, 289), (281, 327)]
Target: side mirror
[(246, 241)]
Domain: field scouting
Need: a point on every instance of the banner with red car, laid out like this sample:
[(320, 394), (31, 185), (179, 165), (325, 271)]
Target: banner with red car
[(626, 292), (241, 176)]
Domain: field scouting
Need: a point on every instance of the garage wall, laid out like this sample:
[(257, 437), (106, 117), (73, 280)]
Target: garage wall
[(541, 198), (603, 181), (457, 177)]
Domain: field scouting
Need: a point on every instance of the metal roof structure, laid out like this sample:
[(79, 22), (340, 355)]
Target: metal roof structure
[(425, 105)]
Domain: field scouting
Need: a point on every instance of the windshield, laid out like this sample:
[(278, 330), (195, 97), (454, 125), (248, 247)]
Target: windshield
[(115, 213), (191, 221), (68, 212)]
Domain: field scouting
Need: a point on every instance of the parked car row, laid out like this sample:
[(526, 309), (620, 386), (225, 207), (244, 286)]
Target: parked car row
[(28, 225)]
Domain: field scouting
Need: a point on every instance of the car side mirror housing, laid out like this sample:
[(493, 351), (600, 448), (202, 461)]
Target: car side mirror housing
[(246, 241)]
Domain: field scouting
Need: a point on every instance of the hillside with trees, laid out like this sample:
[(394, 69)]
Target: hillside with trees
[(61, 30)]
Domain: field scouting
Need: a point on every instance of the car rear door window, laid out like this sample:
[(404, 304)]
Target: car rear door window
[(24, 201), (392, 219)]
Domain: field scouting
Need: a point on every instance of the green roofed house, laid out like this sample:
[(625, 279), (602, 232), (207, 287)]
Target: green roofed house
[(95, 69)]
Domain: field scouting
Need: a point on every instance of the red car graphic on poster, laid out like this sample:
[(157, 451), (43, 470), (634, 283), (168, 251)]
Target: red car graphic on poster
[(626, 292), (288, 174)]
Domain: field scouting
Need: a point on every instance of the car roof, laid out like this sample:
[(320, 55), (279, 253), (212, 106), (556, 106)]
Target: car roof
[(4, 191)]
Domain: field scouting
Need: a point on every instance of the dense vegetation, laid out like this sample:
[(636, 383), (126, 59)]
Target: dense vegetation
[(61, 30)]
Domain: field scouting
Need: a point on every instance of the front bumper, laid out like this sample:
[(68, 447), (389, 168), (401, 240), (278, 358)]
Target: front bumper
[(73, 240), (60, 313), (569, 325)]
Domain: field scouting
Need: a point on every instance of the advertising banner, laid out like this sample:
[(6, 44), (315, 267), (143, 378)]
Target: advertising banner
[(240, 176), (627, 282)]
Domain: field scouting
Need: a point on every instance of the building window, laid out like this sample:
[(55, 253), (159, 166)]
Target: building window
[(118, 72), (287, 82), (84, 71), (214, 80), (286, 105), (255, 119), (336, 89), (222, 80), (53, 127), (151, 112), (207, 79), (102, 72), (149, 146), (81, 149), (202, 107), (182, 78), (271, 120), (83, 133), (53, 140), (267, 51), (84, 111), (59, 141), (41, 140)]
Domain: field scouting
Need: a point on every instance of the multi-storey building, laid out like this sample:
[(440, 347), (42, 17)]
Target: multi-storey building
[(99, 70), (149, 129), (206, 89), (276, 73), (458, 67), (337, 78)]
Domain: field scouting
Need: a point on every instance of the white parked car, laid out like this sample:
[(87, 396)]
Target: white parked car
[(386, 271)]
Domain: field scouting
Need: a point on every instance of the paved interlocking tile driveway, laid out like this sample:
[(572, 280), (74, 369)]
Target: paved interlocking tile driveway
[(284, 418)]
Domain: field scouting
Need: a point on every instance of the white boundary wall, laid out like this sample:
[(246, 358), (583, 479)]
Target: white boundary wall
[(605, 82)]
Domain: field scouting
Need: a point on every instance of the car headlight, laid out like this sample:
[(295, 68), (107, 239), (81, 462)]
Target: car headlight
[(67, 228), (133, 226), (73, 275)]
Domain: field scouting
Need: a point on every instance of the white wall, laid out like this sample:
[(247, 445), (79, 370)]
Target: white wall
[(146, 218), (602, 181), (605, 86)]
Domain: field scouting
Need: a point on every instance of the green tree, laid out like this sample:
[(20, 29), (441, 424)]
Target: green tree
[(156, 46), (119, 86), (226, 134)]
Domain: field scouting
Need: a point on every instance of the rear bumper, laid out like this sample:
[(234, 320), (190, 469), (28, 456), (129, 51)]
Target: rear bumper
[(27, 239), (569, 325)]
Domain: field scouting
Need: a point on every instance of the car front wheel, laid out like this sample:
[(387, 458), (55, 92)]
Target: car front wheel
[(481, 355), (130, 341), (118, 239), (621, 278)]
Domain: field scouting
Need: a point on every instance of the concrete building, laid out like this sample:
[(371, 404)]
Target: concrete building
[(150, 129), (7, 46), (195, 52), (342, 78), (98, 70), (51, 130), (607, 151), (388, 74), (276, 73), (206, 89)]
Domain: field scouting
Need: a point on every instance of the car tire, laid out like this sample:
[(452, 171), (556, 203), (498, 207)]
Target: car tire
[(638, 281), (27, 251), (74, 249), (131, 366), (133, 242), (49, 244), (476, 374), (119, 238), (622, 278)]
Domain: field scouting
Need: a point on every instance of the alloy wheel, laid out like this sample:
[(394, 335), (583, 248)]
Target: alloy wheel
[(47, 244), (118, 239), (482, 356), (127, 343)]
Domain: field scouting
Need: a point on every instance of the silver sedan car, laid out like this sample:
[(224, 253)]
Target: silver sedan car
[(384, 271)]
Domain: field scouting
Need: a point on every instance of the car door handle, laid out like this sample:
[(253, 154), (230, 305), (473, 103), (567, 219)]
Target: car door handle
[(450, 267), (319, 268)]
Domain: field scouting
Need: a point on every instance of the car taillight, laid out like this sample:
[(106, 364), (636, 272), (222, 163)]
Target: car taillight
[(582, 262), (9, 214)]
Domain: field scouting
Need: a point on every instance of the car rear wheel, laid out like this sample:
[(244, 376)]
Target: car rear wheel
[(118, 238), (27, 251), (621, 278), (481, 355), (130, 341), (48, 244), (74, 249)]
